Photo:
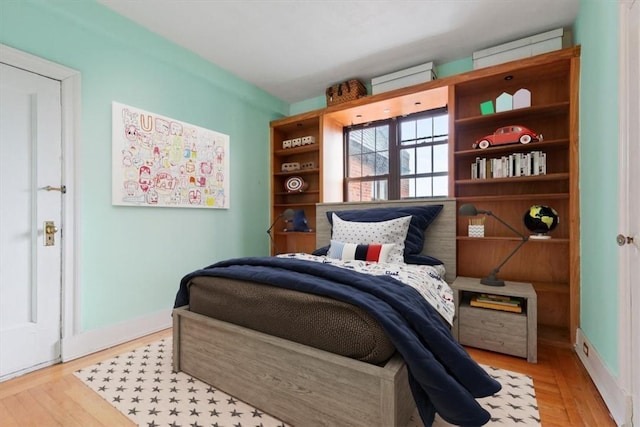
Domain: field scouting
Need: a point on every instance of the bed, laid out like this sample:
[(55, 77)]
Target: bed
[(298, 381)]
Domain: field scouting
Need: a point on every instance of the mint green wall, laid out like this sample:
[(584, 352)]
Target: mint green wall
[(454, 67), (132, 258), (596, 29), (308, 105)]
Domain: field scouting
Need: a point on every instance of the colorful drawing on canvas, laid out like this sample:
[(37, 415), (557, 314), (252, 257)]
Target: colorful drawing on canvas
[(158, 161)]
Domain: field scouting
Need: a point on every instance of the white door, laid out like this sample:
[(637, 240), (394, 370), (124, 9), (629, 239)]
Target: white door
[(633, 194), (629, 238), (30, 173)]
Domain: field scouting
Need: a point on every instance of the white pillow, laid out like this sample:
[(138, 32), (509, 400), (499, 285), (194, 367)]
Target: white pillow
[(392, 231), (373, 252)]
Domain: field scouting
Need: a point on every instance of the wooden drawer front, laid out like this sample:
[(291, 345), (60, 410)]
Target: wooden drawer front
[(493, 330)]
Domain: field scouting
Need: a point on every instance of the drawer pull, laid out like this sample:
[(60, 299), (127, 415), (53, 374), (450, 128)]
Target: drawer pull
[(492, 324), (492, 342)]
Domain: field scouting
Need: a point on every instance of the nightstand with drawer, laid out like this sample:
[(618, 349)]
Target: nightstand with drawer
[(496, 330)]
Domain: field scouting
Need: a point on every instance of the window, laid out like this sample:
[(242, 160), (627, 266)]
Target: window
[(399, 158)]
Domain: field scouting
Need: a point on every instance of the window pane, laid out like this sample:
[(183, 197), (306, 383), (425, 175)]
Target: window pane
[(382, 163), (408, 131), (367, 191), (408, 161), (353, 192), (424, 159), (381, 190), (355, 166), (355, 142), (407, 188), (440, 186), (382, 138), (440, 158), (369, 164), (424, 128), (423, 187), (441, 125), (368, 140)]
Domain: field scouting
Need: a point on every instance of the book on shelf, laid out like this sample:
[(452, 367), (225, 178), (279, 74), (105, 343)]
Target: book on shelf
[(513, 306), (499, 299), (513, 165)]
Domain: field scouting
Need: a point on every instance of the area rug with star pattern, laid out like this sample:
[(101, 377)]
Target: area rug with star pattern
[(142, 385)]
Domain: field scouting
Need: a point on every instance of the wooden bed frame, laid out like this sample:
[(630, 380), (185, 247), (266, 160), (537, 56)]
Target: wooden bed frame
[(298, 384)]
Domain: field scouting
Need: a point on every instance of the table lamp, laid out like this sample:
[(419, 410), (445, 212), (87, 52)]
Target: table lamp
[(491, 280), (288, 214)]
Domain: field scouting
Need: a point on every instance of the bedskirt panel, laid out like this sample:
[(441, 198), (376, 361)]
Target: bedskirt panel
[(299, 384), (313, 320)]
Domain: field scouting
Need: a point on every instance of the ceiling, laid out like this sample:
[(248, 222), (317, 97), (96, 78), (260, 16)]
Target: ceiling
[(294, 49)]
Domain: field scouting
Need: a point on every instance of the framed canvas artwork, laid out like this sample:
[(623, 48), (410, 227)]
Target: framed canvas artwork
[(163, 162)]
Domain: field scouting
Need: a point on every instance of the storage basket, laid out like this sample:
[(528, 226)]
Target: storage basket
[(345, 91)]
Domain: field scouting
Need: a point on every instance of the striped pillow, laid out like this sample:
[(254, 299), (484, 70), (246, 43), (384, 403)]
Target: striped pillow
[(373, 252)]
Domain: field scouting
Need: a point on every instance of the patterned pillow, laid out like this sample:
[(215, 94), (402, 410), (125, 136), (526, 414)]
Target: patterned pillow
[(374, 252), (392, 231)]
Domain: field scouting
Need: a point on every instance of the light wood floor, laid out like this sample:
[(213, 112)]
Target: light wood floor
[(54, 397)]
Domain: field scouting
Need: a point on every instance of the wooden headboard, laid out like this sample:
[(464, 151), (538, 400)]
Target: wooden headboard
[(440, 236)]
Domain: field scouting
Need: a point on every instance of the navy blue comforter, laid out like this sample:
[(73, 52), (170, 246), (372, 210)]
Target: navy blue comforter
[(442, 376)]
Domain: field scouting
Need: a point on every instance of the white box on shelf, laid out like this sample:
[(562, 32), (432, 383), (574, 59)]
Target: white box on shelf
[(306, 140), (403, 78), (522, 48), (476, 230)]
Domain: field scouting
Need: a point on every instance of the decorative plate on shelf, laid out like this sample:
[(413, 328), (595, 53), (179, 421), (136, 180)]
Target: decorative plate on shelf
[(295, 183)]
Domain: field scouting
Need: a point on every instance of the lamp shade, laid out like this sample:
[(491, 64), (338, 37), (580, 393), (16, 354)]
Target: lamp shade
[(468, 210)]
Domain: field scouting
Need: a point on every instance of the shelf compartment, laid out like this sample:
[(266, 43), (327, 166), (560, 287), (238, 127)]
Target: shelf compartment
[(477, 259), (564, 176), (298, 172), (512, 211), (294, 241), (529, 112), (296, 150), (296, 193), (291, 205), (552, 127), (553, 240), (531, 188), (500, 150), (512, 197)]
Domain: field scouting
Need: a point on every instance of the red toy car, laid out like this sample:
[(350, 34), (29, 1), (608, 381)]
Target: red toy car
[(512, 134)]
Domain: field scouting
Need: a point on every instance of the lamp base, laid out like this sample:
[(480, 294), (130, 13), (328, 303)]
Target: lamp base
[(491, 281), (539, 236)]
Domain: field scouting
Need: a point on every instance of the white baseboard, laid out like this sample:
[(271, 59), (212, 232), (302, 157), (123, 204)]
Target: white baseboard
[(100, 339), (617, 400)]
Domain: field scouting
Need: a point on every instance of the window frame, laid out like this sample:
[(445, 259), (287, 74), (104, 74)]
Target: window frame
[(394, 176)]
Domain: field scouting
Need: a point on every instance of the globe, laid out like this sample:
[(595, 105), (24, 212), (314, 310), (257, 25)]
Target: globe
[(541, 219)]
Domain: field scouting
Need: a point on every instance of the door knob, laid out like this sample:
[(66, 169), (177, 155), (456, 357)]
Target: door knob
[(50, 230), (624, 240)]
